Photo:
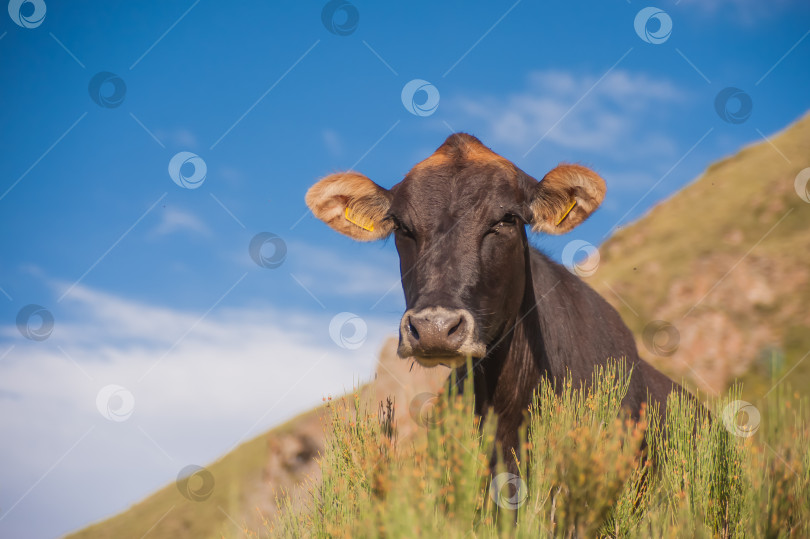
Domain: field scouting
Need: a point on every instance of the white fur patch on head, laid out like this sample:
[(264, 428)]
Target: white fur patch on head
[(352, 204)]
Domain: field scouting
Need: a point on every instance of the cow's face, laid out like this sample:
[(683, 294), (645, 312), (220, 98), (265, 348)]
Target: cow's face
[(458, 221)]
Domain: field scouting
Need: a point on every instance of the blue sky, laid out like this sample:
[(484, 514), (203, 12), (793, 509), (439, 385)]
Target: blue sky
[(151, 286)]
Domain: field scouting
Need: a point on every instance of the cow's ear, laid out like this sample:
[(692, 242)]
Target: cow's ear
[(352, 204), (565, 197)]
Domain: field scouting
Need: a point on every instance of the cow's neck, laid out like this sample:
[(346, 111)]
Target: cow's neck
[(507, 377)]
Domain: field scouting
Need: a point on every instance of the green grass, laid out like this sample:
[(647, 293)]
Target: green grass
[(582, 471)]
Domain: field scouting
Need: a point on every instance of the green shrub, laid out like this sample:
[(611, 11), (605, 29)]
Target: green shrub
[(586, 470)]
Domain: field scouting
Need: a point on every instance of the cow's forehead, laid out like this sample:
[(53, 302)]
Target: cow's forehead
[(460, 170), (458, 151)]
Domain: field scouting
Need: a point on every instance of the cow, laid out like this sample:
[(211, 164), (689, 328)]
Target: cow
[(475, 287)]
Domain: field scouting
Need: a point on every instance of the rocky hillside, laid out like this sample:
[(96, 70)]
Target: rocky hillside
[(715, 281)]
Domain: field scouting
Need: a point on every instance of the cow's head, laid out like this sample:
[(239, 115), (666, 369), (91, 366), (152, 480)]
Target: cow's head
[(458, 221)]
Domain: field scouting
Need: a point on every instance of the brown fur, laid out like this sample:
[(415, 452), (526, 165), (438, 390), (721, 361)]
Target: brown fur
[(437, 159), (329, 198), (476, 153), (459, 151), (560, 187)]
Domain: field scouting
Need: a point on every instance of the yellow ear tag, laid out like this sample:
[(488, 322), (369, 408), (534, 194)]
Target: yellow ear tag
[(359, 220), (571, 207)]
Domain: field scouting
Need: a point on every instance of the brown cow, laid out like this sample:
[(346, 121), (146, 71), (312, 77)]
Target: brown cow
[(475, 287)]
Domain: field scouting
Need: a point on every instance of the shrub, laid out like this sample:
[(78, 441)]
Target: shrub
[(585, 469)]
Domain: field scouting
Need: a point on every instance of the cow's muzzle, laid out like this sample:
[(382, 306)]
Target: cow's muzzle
[(439, 336)]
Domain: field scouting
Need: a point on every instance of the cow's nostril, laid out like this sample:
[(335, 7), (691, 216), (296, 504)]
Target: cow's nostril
[(456, 327), (412, 329)]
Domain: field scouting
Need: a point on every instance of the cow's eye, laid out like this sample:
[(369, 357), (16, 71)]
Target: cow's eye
[(401, 228), (506, 221)]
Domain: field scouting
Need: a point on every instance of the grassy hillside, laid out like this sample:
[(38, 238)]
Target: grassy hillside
[(726, 262)]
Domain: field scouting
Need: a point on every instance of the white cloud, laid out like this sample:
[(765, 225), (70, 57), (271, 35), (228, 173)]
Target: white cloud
[(333, 142), (612, 116), (179, 137), (174, 220), (744, 11), (184, 137), (200, 386), (231, 174)]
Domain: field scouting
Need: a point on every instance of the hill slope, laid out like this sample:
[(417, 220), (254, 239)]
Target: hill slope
[(283, 456), (726, 262)]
